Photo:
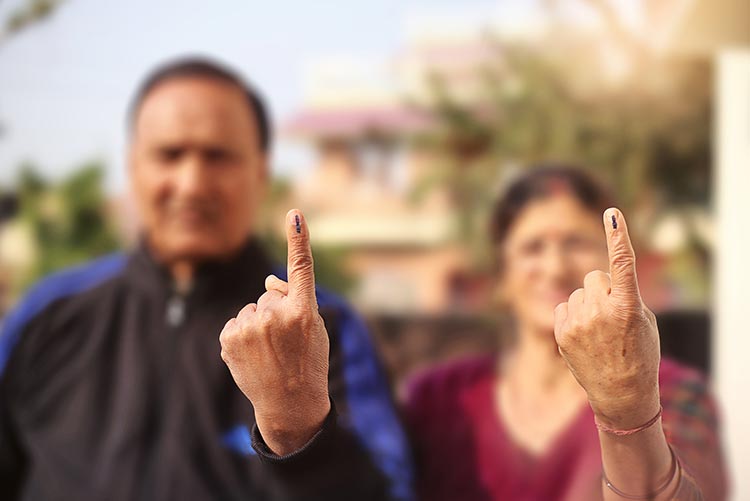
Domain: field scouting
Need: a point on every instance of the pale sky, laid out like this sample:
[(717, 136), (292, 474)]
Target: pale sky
[(65, 82)]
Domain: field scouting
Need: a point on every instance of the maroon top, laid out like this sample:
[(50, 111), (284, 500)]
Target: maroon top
[(464, 453)]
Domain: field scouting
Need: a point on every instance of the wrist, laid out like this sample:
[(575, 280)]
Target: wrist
[(290, 429), (626, 412)]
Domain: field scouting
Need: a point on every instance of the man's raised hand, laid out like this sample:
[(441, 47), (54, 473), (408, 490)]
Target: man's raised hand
[(277, 350)]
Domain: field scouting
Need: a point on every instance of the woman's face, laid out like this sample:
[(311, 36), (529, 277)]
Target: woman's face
[(550, 247)]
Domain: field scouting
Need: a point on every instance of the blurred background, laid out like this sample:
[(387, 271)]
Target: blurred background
[(397, 125)]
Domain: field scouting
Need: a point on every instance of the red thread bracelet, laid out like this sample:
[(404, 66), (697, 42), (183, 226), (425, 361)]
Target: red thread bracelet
[(632, 431)]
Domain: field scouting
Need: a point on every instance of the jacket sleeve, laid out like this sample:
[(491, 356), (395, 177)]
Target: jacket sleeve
[(12, 458), (331, 466)]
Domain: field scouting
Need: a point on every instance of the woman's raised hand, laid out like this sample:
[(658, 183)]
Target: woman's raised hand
[(609, 338)]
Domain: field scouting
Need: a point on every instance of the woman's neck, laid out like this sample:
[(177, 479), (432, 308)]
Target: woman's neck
[(536, 396), (535, 366)]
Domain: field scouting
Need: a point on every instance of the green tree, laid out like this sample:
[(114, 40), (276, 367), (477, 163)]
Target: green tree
[(68, 219), (648, 134), (27, 14)]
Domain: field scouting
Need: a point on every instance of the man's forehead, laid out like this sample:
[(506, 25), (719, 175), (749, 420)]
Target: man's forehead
[(195, 106)]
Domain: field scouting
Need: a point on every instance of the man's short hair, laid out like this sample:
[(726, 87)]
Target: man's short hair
[(201, 67)]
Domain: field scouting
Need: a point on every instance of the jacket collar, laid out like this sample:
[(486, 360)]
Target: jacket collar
[(249, 264)]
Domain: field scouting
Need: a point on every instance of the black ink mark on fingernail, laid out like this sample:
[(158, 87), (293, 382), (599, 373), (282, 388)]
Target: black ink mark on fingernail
[(298, 226), (614, 222)]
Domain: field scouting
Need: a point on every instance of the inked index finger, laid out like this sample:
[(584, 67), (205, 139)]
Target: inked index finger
[(621, 254), (300, 271)]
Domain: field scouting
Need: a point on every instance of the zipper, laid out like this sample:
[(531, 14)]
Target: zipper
[(175, 315), (176, 310)]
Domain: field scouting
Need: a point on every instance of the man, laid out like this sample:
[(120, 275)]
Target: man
[(112, 384)]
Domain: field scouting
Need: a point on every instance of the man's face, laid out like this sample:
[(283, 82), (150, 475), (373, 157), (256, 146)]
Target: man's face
[(197, 168)]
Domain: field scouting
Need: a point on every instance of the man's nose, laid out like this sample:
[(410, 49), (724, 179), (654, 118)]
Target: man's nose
[(192, 176)]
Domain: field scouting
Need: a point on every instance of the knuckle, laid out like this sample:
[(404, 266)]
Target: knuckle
[(228, 333), (267, 319), (562, 337), (576, 325), (225, 356), (594, 276), (298, 316), (585, 323), (560, 308), (303, 319), (597, 316), (246, 313), (245, 326)]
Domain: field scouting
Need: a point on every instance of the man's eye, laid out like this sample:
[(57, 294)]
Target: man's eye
[(217, 155), (170, 155)]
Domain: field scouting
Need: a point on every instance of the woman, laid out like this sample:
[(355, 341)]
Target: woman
[(581, 407)]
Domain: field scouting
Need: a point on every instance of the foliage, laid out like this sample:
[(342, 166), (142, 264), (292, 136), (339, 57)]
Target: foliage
[(67, 219), (647, 133), (30, 12)]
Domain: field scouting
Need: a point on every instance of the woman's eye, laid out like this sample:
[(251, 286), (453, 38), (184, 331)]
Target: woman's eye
[(532, 248), (578, 243)]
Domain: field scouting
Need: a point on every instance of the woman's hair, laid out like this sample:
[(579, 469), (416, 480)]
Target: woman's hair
[(541, 182)]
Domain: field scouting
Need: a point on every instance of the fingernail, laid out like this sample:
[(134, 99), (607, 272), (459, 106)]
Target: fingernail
[(299, 227), (614, 222)]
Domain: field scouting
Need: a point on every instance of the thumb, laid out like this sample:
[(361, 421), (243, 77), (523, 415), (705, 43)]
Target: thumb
[(621, 255), (299, 258)]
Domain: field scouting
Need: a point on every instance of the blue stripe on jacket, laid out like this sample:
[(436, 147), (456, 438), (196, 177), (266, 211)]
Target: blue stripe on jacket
[(50, 289)]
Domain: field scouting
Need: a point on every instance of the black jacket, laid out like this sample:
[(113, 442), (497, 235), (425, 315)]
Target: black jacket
[(112, 388)]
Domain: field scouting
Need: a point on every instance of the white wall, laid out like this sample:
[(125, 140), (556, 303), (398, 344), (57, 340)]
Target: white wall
[(731, 360)]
